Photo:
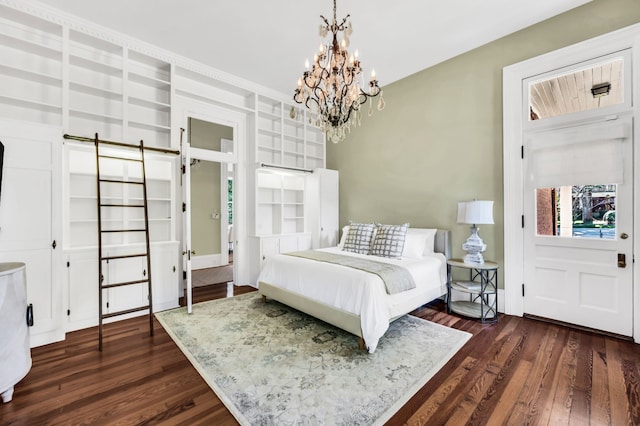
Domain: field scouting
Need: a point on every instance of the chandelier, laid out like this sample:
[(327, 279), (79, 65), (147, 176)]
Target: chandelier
[(333, 87)]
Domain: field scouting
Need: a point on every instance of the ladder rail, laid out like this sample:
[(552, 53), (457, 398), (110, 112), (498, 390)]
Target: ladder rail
[(146, 226), (100, 272), (102, 285)]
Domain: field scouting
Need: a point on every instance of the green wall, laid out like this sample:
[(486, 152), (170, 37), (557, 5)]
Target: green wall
[(439, 139)]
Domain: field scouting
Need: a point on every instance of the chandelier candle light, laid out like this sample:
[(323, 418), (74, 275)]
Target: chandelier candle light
[(475, 213), (332, 87)]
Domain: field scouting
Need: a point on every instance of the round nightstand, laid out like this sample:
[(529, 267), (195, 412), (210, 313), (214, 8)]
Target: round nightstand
[(482, 288)]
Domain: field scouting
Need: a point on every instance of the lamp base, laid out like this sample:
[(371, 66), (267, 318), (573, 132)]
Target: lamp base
[(474, 258), (474, 246)]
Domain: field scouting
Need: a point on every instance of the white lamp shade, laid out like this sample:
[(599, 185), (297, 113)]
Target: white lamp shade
[(475, 212)]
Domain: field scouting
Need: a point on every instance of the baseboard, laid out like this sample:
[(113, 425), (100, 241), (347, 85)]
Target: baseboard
[(206, 261)]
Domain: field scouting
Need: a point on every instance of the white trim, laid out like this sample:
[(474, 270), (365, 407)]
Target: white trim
[(183, 108), (514, 106)]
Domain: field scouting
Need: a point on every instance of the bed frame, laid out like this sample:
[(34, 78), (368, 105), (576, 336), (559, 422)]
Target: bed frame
[(337, 317)]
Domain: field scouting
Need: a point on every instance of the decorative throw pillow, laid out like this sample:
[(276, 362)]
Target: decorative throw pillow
[(359, 238), (389, 240)]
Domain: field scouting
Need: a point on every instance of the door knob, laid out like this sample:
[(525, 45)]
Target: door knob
[(624, 235), (622, 260)]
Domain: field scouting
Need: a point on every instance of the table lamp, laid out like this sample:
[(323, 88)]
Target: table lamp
[(475, 213)]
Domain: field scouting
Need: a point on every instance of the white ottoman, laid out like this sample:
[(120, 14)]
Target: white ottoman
[(15, 355)]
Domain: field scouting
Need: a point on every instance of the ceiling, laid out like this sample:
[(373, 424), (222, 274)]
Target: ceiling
[(267, 41)]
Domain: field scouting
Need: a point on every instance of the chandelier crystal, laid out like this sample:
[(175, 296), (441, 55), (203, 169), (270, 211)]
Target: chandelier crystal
[(332, 88)]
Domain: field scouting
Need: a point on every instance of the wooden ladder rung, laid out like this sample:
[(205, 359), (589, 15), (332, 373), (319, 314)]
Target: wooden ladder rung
[(105, 286), (124, 256), (126, 311), (131, 182), (120, 158), (121, 205), (123, 230)]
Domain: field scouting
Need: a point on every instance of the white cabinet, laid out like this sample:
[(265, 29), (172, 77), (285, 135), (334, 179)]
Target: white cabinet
[(80, 226), (280, 203), (81, 283), (294, 211), (167, 283), (262, 247), (29, 220), (321, 205), (81, 289)]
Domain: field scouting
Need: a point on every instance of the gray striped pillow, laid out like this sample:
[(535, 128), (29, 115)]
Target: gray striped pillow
[(389, 241), (359, 238)]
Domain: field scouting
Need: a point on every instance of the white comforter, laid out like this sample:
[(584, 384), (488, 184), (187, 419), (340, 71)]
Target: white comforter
[(357, 291)]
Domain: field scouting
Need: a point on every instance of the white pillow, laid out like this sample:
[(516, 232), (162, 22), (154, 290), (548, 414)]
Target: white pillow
[(419, 242), (345, 231)]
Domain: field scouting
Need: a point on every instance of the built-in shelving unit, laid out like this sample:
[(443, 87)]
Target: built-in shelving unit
[(285, 137), (148, 93), (95, 86), (63, 72), (280, 203), (81, 211), (31, 70)]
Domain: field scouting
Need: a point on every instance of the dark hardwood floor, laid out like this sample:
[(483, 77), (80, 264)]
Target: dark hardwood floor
[(518, 371)]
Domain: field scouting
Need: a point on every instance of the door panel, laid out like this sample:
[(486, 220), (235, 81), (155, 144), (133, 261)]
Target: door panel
[(572, 274), (28, 213)]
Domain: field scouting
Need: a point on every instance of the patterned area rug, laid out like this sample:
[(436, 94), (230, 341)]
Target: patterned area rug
[(273, 365)]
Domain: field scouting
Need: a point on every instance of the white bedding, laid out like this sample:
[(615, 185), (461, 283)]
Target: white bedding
[(356, 291)]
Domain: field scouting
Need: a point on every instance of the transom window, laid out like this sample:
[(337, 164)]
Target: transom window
[(596, 86)]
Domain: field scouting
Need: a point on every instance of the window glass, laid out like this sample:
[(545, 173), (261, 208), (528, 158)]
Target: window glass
[(587, 211), (593, 87)]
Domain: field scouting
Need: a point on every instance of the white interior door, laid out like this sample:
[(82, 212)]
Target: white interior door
[(580, 275), (206, 160), (186, 237)]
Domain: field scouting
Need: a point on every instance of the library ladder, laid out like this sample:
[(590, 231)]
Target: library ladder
[(104, 203)]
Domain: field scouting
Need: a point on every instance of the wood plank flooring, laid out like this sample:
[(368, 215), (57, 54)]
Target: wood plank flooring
[(518, 371)]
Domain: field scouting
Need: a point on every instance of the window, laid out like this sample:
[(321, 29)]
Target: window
[(587, 211), (595, 86)]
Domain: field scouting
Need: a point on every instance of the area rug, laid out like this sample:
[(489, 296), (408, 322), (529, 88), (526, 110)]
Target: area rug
[(273, 365)]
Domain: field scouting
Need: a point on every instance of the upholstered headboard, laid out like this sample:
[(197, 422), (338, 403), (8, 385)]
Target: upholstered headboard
[(442, 242)]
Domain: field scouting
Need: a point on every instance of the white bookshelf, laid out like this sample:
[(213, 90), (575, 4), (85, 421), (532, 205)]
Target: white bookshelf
[(286, 139)]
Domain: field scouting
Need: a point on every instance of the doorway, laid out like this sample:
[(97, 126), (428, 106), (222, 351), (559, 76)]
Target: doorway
[(210, 204), (578, 194), (544, 258), (211, 141)]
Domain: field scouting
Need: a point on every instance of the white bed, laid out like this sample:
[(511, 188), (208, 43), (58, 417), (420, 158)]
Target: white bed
[(352, 299)]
